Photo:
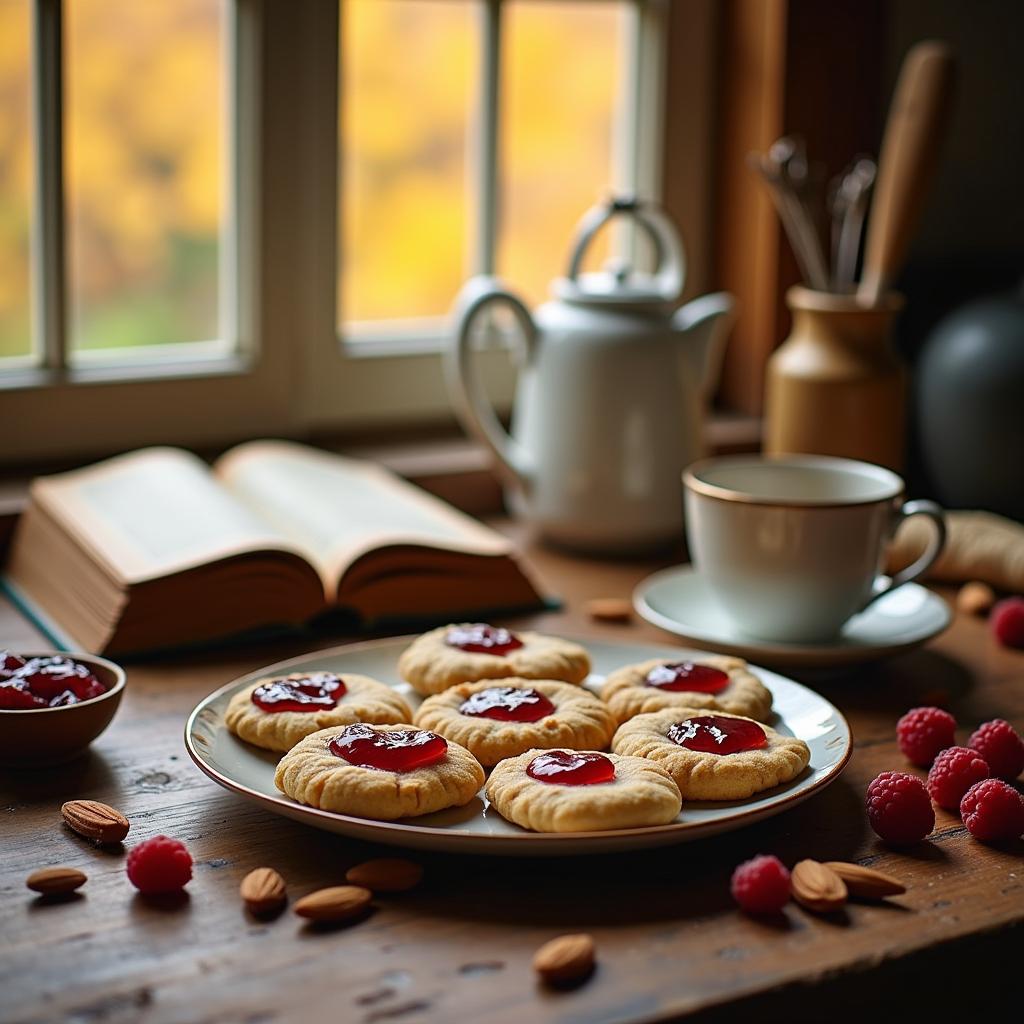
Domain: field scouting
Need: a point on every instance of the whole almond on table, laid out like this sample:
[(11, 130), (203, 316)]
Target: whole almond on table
[(54, 881), (338, 903), (610, 609), (263, 891), (566, 959), (817, 887), (94, 820), (975, 598), (866, 883), (386, 874)]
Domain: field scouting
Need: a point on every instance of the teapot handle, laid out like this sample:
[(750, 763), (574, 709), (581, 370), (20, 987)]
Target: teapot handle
[(668, 246), (472, 407)]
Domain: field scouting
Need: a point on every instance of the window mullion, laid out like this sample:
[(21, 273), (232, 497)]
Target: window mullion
[(486, 140), (639, 120), (647, 93), (48, 265)]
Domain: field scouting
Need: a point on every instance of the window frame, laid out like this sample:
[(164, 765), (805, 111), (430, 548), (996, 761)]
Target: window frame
[(291, 374)]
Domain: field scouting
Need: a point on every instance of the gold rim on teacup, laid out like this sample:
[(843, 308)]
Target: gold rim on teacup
[(692, 480)]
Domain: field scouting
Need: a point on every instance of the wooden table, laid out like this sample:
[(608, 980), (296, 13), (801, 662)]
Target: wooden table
[(459, 948)]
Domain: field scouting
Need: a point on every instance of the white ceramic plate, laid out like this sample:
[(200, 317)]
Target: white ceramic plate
[(479, 829), (678, 600)]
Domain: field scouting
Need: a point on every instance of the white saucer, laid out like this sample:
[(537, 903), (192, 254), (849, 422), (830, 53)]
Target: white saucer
[(679, 601)]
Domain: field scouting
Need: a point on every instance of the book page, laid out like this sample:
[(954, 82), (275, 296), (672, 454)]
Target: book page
[(154, 512), (339, 508)]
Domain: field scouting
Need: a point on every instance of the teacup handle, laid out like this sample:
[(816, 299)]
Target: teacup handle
[(922, 564)]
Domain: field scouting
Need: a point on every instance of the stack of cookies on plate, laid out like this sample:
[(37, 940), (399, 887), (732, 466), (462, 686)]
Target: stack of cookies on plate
[(560, 757)]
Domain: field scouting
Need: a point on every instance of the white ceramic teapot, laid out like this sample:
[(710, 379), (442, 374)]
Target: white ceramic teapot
[(610, 403)]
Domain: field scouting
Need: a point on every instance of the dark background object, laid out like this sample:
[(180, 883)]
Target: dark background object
[(971, 239), (970, 388)]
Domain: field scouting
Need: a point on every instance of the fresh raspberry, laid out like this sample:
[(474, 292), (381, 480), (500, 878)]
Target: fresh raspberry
[(899, 809), (954, 772), (1001, 745), (761, 885), (993, 810), (159, 865), (1007, 621), (923, 732)]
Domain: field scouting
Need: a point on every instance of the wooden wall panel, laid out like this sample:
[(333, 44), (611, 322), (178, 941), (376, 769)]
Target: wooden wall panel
[(785, 66)]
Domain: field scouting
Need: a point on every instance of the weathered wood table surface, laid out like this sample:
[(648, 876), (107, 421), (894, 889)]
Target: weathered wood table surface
[(459, 948)]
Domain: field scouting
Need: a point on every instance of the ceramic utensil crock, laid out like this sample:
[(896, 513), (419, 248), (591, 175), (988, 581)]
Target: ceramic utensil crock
[(836, 386)]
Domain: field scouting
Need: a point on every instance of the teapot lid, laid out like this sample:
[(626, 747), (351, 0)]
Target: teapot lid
[(622, 284)]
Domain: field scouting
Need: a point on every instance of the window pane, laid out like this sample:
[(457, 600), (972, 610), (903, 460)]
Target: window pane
[(144, 165), (408, 72), (561, 74), (15, 179)]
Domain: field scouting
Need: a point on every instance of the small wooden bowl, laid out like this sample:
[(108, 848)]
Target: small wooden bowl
[(40, 736)]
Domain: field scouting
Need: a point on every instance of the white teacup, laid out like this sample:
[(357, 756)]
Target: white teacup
[(793, 546)]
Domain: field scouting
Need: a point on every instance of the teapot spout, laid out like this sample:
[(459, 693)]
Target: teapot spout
[(702, 327)]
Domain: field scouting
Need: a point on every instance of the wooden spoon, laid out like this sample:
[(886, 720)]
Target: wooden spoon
[(917, 119)]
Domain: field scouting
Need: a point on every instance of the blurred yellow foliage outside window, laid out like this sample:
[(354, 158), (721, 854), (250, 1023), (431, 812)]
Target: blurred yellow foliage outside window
[(145, 145), (409, 71), (15, 179)]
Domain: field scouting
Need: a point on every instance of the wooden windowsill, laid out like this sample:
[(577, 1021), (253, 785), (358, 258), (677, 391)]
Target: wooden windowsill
[(447, 464)]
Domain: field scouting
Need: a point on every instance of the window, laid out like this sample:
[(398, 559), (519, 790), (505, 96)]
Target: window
[(189, 260), (144, 177)]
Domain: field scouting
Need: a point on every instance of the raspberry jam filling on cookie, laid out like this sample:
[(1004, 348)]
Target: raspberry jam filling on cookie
[(507, 704), (51, 682), (685, 676), (400, 750), (715, 734), (320, 691), (571, 768), (483, 639)]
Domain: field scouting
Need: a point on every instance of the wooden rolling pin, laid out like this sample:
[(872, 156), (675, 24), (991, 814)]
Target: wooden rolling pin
[(910, 148)]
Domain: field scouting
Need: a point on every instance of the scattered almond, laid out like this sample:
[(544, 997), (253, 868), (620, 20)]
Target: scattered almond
[(566, 959), (866, 883), (817, 887), (610, 609), (51, 881), (386, 874), (94, 820), (338, 903), (975, 598), (263, 891)]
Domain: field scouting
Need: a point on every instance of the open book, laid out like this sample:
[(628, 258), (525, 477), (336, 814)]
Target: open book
[(155, 549)]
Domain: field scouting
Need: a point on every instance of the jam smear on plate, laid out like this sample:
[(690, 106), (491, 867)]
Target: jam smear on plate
[(398, 750), (716, 734), (480, 638), (571, 768), (48, 682), (319, 691), (507, 704), (687, 677)]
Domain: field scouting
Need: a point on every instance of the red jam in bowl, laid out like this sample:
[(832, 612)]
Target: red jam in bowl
[(398, 750), (50, 682), (685, 676), (715, 734), (319, 691), (571, 768), (507, 704), (482, 639)]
